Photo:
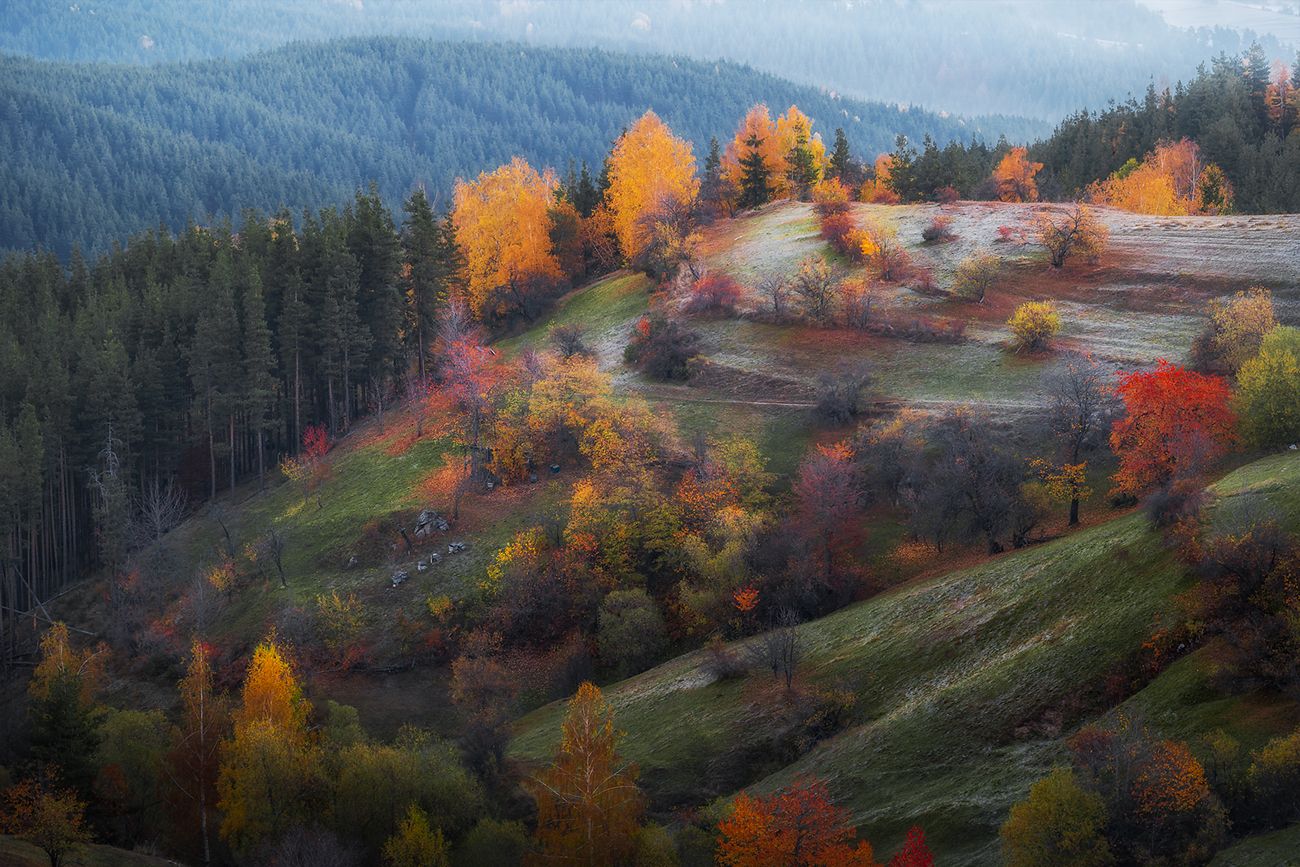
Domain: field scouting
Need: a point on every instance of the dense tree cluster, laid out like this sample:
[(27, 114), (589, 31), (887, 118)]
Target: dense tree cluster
[(185, 364)]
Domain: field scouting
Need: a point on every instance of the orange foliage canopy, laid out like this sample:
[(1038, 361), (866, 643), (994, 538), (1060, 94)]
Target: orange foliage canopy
[(651, 172), (1171, 781), (1172, 180), (796, 826), (1014, 177), (776, 139), (877, 190), (503, 224), (588, 804), (1176, 421)]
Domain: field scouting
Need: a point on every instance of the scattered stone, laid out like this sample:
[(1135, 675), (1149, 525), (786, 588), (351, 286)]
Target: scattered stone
[(428, 521), (435, 557), (400, 576), (455, 547), (532, 477), (491, 485), (555, 468), (352, 561), (421, 566)]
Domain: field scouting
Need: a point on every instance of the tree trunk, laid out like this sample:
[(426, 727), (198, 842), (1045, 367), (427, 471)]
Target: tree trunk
[(1074, 511), (230, 426)]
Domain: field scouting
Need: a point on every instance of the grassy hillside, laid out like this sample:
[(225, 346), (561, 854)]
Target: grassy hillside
[(19, 853), (965, 684)]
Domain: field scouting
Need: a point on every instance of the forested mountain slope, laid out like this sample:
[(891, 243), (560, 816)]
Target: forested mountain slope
[(1024, 58), (94, 153)]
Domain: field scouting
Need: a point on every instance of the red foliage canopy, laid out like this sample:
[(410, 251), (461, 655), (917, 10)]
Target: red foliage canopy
[(1176, 422)]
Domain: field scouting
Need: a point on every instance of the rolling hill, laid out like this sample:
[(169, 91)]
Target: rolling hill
[(966, 672)]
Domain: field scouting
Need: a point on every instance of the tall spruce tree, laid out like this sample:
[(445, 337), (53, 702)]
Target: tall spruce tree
[(258, 384), (755, 176)]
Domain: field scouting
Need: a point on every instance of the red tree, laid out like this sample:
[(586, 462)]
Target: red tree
[(1176, 422), (315, 442), (715, 292), (915, 853)]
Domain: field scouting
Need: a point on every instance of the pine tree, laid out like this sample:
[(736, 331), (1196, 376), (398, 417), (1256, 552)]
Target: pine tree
[(841, 167), (755, 176), (258, 381), (586, 197), (373, 242), (902, 172), (801, 166), (422, 245)]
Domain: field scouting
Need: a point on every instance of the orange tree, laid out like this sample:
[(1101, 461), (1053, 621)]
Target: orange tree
[(588, 804), (799, 825), (1014, 177), (48, 817), (1176, 421), (503, 227), (651, 175)]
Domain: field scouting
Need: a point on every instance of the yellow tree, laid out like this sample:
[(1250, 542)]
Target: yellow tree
[(1014, 177), (267, 778), (588, 804), (794, 131), (503, 223), (651, 178)]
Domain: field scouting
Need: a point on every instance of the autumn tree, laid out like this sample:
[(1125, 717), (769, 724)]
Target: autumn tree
[(1071, 233), (878, 189), (1059, 823), (502, 223), (976, 275), (46, 815), (194, 761), (64, 712), (827, 518), (799, 826), (651, 179), (1170, 180), (1268, 391), (1234, 331), (915, 852), (266, 783), (814, 285), (1033, 325), (803, 153), (588, 804), (768, 159), (1080, 408), (1175, 422), (753, 157), (416, 844), (1014, 177)]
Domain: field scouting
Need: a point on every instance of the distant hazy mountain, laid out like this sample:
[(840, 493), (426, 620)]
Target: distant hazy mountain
[(1022, 57)]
